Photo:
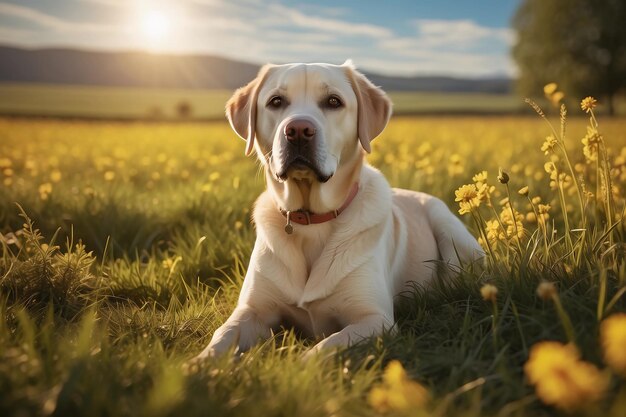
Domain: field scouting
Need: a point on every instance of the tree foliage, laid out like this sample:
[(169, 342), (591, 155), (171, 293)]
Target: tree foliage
[(581, 44)]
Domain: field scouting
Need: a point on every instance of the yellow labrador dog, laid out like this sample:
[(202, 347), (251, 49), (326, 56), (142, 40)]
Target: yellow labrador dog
[(335, 243)]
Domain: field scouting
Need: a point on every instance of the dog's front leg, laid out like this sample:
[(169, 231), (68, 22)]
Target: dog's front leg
[(371, 325), (243, 329)]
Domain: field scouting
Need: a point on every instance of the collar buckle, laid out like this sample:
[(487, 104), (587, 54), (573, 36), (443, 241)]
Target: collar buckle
[(289, 226)]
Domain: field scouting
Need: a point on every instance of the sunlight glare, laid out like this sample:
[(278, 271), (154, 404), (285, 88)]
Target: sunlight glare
[(155, 25)]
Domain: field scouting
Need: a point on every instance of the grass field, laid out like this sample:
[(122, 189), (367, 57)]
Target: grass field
[(133, 103), (162, 210), (93, 102)]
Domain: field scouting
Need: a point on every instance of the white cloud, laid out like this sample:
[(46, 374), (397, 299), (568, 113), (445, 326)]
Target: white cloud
[(293, 17), (458, 32), (463, 65), (48, 21), (31, 15), (448, 34), (112, 3), (313, 37), (453, 47)]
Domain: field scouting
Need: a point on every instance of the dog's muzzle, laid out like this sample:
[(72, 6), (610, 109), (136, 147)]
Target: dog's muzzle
[(300, 149)]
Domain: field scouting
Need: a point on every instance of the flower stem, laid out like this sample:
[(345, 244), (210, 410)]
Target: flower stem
[(565, 320), (514, 219)]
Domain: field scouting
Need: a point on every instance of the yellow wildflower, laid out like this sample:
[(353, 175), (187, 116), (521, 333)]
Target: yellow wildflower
[(523, 191), (588, 104), (514, 225), (484, 193), (424, 148), (109, 176), (467, 197), (455, 166), (494, 232), (394, 373), (561, 379), (480, 178), (591, 143), (556, 98), (550, 89), (55, 176), (170, 263), (613, 339), (484, 190), (489, 292), (551, 93), (543, 210), (45, 190), (549, 144), (397, 392)]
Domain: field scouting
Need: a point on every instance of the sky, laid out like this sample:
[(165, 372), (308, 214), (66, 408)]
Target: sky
[(396, 37)]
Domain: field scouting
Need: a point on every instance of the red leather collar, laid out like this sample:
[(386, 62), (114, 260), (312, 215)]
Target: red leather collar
[(305, 217)]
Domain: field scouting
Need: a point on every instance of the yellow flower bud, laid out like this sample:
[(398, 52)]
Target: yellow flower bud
[(546, 290), (503, 177), (489, 292)]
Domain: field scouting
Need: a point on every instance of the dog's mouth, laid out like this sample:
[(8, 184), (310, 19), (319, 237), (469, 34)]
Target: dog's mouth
[(301, 168)]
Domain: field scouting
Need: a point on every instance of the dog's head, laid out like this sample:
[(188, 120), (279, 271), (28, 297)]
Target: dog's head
[(304, 120)]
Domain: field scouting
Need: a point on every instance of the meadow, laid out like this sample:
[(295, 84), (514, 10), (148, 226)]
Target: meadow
[(131, 240), (93, 102)]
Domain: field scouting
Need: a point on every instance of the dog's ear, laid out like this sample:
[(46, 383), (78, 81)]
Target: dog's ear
[(374, 106), (241, 108)]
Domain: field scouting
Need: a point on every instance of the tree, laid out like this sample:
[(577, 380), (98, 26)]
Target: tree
[(184, 110), (580, 44)]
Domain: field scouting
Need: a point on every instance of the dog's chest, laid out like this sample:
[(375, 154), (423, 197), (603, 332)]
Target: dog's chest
[(312, 240)]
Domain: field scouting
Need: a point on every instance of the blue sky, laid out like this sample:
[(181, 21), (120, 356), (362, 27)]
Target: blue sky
[(451, 37)]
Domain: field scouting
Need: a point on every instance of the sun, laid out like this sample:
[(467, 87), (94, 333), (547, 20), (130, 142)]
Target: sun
[(155, 25)]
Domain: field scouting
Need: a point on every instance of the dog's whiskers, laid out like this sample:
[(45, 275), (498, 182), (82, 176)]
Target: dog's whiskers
[(260, 168)]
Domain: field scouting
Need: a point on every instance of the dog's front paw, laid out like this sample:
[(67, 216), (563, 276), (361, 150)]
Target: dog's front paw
[(195, 364), (319, 352), (201, 360)]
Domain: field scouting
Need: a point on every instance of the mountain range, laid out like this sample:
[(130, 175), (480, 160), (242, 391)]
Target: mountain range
[(143, 69)]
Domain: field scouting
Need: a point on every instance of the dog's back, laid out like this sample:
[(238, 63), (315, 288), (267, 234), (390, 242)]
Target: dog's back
[(434, 232)]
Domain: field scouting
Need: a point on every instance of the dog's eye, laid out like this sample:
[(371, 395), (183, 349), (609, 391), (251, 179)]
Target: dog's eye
[(333, 102), (275, 102)]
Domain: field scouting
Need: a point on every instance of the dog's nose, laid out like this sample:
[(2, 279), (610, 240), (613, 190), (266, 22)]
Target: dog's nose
[(299, 130)]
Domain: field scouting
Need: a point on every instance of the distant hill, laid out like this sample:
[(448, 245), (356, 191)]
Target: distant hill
[(141, 69)]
